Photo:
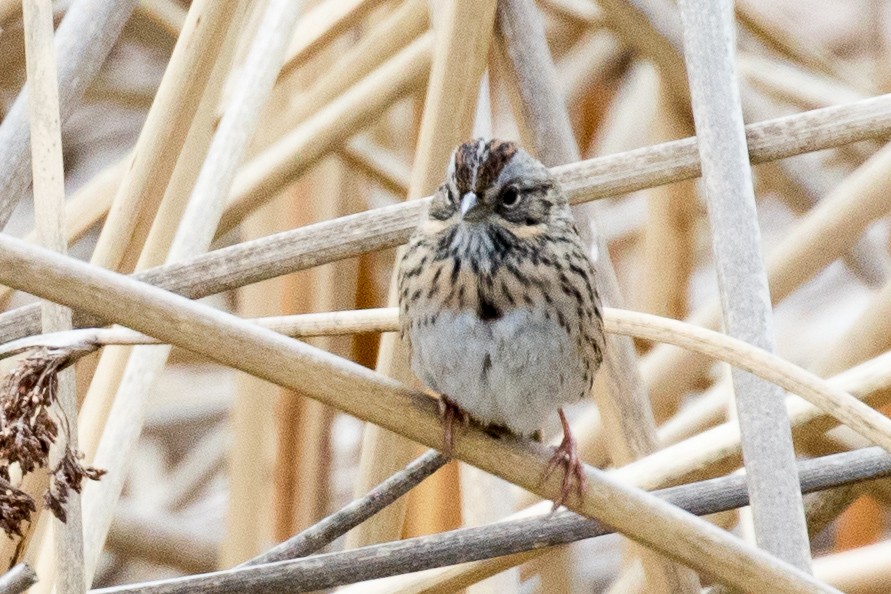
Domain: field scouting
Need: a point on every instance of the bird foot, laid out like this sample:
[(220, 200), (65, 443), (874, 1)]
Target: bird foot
[(450, 412), (566, 456)]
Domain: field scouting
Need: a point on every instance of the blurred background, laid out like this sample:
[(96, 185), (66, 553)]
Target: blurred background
[(227, 465)]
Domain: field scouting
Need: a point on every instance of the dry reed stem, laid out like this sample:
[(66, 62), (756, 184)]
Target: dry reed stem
[(463, 33), (384, 40), (99, 398), (385, 319), (82, 42), (669, 238), (719, 446), (152, 167), (493, 540), (163, 135), (711, 452), (368, 54), (251, 459), (822, 508), (323, 533), (768, 453), (781, 36), (842, 216), (858, 571), (377, 399), (195, 229), (380, 44), (814, 476), (49, 208), (653, 27), (825, 395), (83, 209), (304, 425), (792, 85), (750, 358), (111, 418)]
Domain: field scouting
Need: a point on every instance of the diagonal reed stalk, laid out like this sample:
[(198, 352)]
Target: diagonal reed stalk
[(365, 394)]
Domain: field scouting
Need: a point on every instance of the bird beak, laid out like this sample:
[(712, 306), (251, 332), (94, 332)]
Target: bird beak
[(468, 201)]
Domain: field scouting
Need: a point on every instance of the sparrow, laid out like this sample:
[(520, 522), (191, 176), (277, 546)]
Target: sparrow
[(498, 302)]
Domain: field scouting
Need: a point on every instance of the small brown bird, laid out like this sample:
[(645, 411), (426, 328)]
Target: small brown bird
[(497, 299)]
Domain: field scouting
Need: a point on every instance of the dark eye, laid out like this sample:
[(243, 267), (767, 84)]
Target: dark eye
[(510, 196)]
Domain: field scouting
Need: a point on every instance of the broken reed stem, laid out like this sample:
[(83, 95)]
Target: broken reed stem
[(18, 579), (49, 207), (503, 538), (824, 395), (390, 226), (328, 530), (385, 402)]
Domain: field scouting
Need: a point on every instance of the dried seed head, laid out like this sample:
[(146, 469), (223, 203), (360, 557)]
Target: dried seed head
[(16, 508), (68, 476), (27, 432)]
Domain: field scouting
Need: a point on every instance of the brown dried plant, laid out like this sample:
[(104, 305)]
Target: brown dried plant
[(28, 429)]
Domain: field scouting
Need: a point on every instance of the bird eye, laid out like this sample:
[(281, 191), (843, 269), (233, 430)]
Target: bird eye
[(510, 196)]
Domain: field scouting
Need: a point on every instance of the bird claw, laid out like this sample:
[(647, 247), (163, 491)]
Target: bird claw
[(450, 412), (566, 455)]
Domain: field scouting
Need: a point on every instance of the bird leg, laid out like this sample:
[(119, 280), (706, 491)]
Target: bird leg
[(566, 455), (450, 412)]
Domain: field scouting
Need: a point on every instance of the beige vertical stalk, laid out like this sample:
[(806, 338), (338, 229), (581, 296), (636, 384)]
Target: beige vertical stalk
[(199, 55), (301, 425), (49, 209), (304, 425), (671, 216), (463, 35), (202, 212), (251, 462)]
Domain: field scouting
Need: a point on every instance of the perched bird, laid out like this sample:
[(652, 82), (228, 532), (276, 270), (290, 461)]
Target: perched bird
[(497, 298)]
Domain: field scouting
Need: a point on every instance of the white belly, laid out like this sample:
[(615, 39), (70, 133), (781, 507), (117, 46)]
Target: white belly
[(514, 371)]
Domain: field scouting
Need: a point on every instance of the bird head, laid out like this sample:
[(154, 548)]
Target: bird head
[(495, 182)]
